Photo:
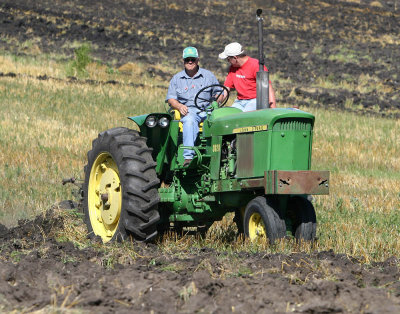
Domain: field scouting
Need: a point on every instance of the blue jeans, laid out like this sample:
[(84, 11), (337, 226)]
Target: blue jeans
[(245, 104), (191, 129)]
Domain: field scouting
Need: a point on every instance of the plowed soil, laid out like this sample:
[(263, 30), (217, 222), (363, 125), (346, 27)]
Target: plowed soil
[(39, 270), (352, 46)]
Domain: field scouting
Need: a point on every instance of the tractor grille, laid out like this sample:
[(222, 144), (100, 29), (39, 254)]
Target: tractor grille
[(293, 124)]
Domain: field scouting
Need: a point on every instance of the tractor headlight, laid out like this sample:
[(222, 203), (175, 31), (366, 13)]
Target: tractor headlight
[(163, 122), (151, 121)]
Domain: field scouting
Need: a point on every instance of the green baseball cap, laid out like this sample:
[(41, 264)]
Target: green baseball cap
[(190, 52)]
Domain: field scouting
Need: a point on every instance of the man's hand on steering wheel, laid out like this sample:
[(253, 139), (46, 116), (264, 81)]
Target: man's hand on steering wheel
[(219, 96)]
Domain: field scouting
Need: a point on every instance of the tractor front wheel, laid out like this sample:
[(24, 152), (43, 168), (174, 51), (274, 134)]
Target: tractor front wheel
[(262, 221), (120, 189), (304, 220), (238, 219)]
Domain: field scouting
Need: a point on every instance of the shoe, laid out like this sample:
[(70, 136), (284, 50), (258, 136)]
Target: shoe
[(187, 162)]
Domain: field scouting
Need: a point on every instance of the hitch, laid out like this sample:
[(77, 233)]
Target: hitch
[(70, 180), (74, 181), (77, 193)]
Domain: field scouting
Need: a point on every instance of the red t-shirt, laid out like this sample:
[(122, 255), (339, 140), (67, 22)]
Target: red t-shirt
[(243, 79)]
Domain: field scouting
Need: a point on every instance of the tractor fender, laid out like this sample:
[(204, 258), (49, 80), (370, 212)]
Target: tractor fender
[(139, 120)]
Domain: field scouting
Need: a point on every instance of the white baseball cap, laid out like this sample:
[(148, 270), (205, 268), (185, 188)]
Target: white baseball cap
[(231, 50)]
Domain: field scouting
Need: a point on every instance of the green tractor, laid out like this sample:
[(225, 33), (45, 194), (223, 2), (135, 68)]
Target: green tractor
[(255, 164)]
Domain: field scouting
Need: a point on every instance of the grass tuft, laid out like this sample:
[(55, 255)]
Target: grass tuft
[(82, 59)]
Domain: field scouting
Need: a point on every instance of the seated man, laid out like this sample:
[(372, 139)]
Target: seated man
[(242, 77), (182, 90)]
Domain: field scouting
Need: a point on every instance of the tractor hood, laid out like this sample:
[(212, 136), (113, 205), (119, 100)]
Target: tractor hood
[(223, 122)]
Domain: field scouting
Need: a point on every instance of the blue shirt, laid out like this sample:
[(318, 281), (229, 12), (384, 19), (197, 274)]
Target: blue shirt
[(184, 88)]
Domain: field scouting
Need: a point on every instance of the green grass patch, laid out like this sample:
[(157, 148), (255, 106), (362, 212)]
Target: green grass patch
[(77, 67)]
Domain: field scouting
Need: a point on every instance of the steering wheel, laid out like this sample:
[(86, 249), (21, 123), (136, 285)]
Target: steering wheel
[(208, 89)]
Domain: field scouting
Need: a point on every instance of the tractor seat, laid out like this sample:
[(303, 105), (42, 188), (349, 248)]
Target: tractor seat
[(177, 116)]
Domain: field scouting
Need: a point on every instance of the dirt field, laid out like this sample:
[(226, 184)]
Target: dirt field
[(38, 270)]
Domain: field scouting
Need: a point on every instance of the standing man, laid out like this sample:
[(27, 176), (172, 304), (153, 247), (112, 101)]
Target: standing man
[(242, 77), (182, 90)]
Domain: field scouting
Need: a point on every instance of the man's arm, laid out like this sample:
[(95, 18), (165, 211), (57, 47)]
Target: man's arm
[(271, 94), (172, 98), (272, 101), (228, 84), (222, 97), (178, 106)]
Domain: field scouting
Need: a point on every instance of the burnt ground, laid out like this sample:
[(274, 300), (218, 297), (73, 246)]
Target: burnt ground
[(39, 270), (306, 42), (332, 41)]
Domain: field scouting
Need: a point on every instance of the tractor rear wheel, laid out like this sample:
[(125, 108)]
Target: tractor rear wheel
[(120, 189), (304, 220), (262, 221)]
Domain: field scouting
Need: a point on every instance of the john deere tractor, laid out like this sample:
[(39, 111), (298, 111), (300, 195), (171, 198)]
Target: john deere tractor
[(255, 164)]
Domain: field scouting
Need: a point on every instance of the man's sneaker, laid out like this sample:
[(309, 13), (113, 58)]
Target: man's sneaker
[(186, 162)]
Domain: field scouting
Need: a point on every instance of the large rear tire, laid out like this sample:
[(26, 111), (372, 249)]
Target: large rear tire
[(304, 220), (120, 189), (262, 221)]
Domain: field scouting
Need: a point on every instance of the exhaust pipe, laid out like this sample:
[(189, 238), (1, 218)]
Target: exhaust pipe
[(262, 76)]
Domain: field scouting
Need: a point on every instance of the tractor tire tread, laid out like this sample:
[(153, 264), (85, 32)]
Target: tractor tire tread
[(139, 194), (144, 150), (132, 207), (139, 181), (137, 174), (147, 207), (152, 184), (134, 157), (150, 222), (133, 228), (148, 166)]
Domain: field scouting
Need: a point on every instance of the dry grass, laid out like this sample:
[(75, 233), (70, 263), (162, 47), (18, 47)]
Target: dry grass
[(46, 128)]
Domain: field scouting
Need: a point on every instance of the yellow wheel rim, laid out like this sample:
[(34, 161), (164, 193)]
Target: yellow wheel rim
[(104, 197), (256, 227)]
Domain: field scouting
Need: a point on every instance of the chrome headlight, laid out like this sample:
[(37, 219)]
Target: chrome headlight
[(163, 122), (151, 121)]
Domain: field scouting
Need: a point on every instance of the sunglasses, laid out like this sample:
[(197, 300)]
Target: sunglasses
[(187, 60)]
